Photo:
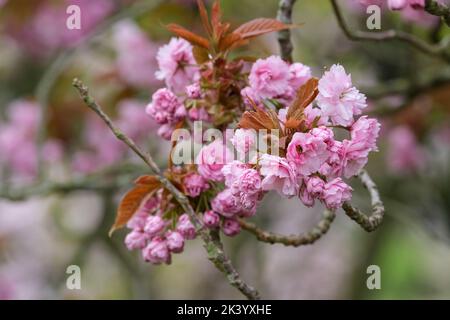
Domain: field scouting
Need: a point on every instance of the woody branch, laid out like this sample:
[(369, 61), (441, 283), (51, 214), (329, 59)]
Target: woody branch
[(438, 50), (292, 240), (368, 223), (438, 9), (284, 36)]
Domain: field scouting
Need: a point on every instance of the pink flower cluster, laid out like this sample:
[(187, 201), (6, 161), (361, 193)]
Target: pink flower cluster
[(167, 110), (338, 98), (19, 151), (158, 234), (177, 66), (179, 70), (315, 162), (313, 169), (155, 234)]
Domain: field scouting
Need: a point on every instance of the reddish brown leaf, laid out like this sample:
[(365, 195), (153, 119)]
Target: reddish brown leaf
[(147, 180), (259, 119), (260, 26), (221, 30), (293, 123), (216, 16), (305, 95), (204, 16), (231, 40), (188, 35), (133, 199)]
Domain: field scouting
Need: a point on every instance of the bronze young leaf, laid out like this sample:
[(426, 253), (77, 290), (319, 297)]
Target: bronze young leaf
[(259, 119), (133, 199), (204, 17), (305, 95), (188, 35), (260, 26)]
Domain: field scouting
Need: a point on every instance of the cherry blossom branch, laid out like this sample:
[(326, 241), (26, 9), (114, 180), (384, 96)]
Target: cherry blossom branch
[(368, 223), (438, 9), (284, 36), (212, 242), (439, 50), (292, 240)]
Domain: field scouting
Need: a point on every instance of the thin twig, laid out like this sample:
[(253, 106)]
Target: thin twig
[(284, 36), (438, 50), (408, 88), (292, 240), (103, 180), (368, 223), (438, 9), (90, 102), (48, 188), (211, 241)]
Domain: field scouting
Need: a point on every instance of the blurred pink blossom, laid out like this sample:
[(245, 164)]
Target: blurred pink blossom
[(18, 143), (404, 155), (46, 30), (101, 148), (136, 55)]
